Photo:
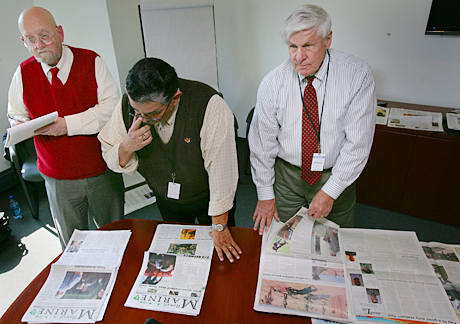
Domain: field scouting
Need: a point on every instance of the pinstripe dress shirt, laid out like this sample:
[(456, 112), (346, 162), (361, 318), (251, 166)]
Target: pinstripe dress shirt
[(347, 109)]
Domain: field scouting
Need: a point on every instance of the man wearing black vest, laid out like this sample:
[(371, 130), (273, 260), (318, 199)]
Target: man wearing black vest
[(179, 135)]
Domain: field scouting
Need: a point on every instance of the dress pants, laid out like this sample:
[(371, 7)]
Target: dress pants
[(74, 203), (292, 193)]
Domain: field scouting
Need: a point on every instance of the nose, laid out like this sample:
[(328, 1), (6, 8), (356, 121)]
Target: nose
[(40, 44), (301, 54)]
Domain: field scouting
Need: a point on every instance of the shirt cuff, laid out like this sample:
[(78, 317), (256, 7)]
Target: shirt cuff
[(265, 193), (73, 123), (217, 208), (332, 189)]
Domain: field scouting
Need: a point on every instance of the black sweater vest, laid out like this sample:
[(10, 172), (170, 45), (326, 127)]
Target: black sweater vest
[(182, 153)]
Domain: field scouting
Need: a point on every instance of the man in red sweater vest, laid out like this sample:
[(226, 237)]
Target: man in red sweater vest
[(76, 83)]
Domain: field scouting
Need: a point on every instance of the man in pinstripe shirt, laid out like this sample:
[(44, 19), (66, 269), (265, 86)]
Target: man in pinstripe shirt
[(345, 91)]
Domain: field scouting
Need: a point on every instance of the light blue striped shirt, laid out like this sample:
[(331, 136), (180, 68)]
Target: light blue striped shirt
[(347, 116)]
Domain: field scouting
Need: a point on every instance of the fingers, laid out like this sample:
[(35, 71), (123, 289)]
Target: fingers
[(225, 246)]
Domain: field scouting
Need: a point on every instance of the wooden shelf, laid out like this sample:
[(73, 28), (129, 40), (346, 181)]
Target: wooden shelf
[(413, 172)]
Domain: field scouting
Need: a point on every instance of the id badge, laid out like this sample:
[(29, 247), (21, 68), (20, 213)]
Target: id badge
[(173, 190), (317, 164)]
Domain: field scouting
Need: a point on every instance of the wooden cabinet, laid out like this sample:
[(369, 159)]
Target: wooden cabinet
[(416, 173)]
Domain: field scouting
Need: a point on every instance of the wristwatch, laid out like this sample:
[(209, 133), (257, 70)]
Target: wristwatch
[(219, 227)]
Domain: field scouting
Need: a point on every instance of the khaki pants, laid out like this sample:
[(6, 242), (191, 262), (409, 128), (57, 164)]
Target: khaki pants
[(292, 193)]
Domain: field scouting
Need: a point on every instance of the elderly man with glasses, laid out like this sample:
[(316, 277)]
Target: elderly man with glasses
[(180, 135), (76, 83)]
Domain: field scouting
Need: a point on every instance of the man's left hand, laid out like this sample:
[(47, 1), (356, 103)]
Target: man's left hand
[(58, 128), (224, 244), (321, 205)]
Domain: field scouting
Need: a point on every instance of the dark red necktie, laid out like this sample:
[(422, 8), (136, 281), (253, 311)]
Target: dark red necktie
[(55, 81), (309, 135)]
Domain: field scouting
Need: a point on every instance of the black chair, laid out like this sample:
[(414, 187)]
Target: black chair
[(247, 167), (23, 158)]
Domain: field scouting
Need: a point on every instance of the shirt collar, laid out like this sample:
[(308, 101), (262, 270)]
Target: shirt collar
[(64, 64)]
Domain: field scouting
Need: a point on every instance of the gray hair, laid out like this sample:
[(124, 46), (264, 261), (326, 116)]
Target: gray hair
[(307, 17)]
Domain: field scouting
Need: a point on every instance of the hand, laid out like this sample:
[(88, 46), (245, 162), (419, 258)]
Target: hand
[(321, 205), (18, 121), (58, 128), (263, 215), (137, 137), (224, 244)]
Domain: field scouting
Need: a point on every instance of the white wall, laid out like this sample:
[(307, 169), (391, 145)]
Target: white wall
[(12, 52), (408, 66), (85, 23)]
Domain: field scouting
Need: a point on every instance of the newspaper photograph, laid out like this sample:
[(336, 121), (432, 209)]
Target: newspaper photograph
[(174, 271), (390, 278), (72, 294), (445, 259), (300, 270)]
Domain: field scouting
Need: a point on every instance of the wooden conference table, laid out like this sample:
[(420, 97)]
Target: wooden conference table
[(229, 296)]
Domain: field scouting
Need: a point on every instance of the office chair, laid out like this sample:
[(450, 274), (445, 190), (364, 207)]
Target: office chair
[(23, 158), (247, 167)]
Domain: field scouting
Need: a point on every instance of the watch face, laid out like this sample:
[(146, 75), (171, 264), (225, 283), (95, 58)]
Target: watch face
[(219, 227)]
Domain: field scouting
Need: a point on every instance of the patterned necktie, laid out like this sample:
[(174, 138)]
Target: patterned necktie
[(55, 81), (309, 137)]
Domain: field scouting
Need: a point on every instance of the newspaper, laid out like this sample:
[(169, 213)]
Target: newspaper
[(314, 268), (391, 279), (382, 115), (174, 271), (80, 283), (445, 260), (415, 119), (301, 270), (453, 120), (26, 130)]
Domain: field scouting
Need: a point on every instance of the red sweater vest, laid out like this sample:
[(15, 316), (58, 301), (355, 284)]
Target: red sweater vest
[(64, 157)]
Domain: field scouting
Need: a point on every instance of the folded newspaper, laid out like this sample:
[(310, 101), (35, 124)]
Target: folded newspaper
[(27, 130), (314, 268), (175, 270), (80, 283), (415, 119)]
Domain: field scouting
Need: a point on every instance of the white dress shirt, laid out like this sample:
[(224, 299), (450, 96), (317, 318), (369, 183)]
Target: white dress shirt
[(220, 160), (91, 120), (347, 107)]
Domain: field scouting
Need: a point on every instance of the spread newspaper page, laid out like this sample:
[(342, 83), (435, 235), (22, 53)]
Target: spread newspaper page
[(314, 268), (301, 270), (175, 270), (391, 279), (80, 283)]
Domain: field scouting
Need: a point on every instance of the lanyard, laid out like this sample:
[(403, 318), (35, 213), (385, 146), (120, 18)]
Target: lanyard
[(317, 131)]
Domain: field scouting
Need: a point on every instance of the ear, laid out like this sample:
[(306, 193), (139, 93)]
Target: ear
[(329, 40), (61, 32), (175, 99)]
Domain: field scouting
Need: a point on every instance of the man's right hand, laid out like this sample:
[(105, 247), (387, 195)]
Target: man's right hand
[(20, 121), (263, 216), (137, 139)]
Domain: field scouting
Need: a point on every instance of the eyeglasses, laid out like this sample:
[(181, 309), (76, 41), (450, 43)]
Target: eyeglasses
[(149, 116), (46, 39)]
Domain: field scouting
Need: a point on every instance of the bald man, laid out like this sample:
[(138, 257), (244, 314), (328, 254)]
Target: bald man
[(74, 82)]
